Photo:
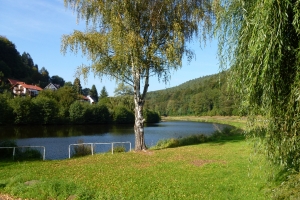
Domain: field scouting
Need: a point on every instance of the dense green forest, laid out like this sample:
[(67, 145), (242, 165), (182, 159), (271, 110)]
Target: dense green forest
[(207, 95), (63, 106), (22, 67)]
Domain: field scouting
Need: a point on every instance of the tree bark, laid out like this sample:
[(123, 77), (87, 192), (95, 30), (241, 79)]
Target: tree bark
[(139, 101), (139, 126)]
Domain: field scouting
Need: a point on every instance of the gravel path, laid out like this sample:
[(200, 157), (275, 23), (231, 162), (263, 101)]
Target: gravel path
[(7, 197)]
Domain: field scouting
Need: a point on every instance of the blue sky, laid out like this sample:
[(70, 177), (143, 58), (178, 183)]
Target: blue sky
[(36, 27)]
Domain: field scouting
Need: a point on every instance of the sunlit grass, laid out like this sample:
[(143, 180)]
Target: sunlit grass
[(216, 170), (239, 122), (224, 167)]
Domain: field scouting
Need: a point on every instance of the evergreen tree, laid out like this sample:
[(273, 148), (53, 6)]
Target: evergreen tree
[(103, 93), (45, 78), (12, 58), (5, 69), (94, 93), (86, 91), (27, 60), (77, 86)]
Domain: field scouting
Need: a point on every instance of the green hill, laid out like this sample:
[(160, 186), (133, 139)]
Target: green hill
[(208, 95)]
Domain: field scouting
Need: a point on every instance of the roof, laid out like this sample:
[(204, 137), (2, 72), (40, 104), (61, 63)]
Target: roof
[(13, 81), (83, 97), (31, 87), (51, 85)]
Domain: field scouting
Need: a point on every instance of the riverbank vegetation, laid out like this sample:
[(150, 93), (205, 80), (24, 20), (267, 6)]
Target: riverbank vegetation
[(15, 153), (64, 107)]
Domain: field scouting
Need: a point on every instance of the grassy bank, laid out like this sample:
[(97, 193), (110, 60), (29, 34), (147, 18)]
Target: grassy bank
[(216, 170), (239, 122), (221, 169)]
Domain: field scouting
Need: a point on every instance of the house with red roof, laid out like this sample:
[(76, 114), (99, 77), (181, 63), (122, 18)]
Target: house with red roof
[(12, 81), (20, 88), (23, 89)]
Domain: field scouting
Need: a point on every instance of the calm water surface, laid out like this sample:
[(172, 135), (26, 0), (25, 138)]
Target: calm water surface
[(57, 139)]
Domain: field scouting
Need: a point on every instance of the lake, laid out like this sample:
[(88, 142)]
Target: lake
[(57, 139)]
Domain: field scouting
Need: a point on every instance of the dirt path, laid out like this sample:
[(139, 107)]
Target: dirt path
[(7, 197)]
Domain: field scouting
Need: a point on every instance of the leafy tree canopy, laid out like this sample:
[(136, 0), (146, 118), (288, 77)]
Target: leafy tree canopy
[(260, 41), (123, 89), (133, 40), (57, 80)]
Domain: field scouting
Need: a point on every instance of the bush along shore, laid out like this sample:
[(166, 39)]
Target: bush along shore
[(10, 151)]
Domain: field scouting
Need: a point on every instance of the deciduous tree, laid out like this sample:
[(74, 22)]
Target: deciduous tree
[(260, 40), (123, 89), (131, 40), (57, 80)]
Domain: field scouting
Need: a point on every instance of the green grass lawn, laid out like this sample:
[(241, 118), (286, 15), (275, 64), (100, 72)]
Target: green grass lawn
[(226, 169)]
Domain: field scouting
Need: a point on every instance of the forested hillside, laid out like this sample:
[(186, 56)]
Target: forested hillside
[(207, 95), (63, 106), (21, 67), (202, 96)]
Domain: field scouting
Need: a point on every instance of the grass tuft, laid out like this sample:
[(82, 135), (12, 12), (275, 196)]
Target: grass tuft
[(119, 149), (81, 149)]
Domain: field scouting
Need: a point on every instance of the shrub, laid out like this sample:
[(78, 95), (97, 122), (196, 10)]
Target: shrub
[(6, 116), (20, 153), (193, 139), (119, 149), (7, 153), (77, 113), (22, 108), (289, 188), (28, 154), (151, 116), (227, 133), (47, 110), (122, 115), (81, 149), (97, 114)]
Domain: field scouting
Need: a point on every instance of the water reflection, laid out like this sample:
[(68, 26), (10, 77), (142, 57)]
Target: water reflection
[(57, 139)]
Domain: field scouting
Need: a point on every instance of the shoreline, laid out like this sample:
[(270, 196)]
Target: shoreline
[(237, 121)]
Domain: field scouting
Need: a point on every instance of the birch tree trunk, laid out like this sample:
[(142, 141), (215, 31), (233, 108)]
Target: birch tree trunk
[(139, 125), (139, 101)]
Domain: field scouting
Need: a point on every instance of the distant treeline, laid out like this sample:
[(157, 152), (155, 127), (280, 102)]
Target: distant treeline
[(207, 95), (65, 107)]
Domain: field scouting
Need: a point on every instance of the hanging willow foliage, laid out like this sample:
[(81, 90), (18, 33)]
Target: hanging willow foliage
[(259, 40)]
